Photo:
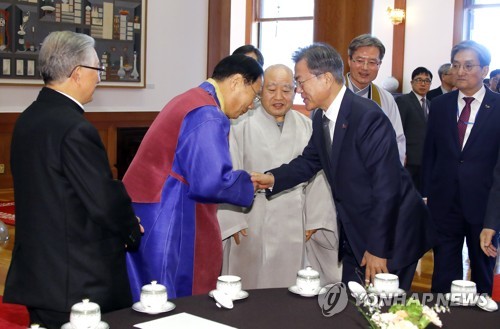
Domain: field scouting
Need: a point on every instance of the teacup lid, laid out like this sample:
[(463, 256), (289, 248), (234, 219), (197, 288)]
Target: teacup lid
[(154, 287), (86, 307), (308, 273)]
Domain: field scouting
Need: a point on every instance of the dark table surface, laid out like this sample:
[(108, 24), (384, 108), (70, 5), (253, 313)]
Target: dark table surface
[(279, 308)]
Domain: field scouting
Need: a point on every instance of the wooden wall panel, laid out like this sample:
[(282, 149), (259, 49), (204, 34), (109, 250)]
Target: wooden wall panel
[(458, 23), (7, 121), (398, 47), (219, 26), (338, 22), (106, 123)]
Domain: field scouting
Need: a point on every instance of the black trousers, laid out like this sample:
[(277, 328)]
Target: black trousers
[(414, 171), (448, 266), (47, 318)]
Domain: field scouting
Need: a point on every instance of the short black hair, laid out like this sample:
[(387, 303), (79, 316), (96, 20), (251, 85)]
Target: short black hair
[(245, 49), (238, 64), (494, 73), (420, 70)]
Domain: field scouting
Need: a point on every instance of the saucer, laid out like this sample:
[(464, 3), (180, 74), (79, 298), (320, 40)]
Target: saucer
[(241, 295), (222, 300), (399, 292), (295, 290), (100, 325), (168, 306), (487, 304), (356, 289), (469, 301)]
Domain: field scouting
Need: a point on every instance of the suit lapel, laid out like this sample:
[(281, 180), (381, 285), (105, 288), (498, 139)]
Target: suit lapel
[(450, 118), (340, 129), (417, 106), (485, 110)]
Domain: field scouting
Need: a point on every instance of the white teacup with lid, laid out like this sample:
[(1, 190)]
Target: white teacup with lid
[(463, 289), (154, 296), (85, 315), (386, 282), (230, 285), (308, 281)]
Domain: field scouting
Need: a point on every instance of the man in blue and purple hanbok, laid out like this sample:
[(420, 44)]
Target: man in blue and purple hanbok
[(181, 170)]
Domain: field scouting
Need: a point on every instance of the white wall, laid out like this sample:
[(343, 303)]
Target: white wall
[(238, 24), (176, 60), (382, 28), (177, 52), (428, 40)]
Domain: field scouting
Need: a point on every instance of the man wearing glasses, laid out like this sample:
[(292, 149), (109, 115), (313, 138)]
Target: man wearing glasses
[(383, 222), (181, 170), (460, 153), (414, 108), (74, 222), (272, 246), (365, 54)]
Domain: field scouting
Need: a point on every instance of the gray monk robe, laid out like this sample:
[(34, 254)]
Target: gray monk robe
[(275, 248)]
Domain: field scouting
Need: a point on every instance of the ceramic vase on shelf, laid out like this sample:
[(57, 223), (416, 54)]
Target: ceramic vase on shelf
[(121, 70), (135, 74)]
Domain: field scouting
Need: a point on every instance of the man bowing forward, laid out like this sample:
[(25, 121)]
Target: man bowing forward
[(384, 224)]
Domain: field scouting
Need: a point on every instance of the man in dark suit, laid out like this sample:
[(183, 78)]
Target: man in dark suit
[(414, 108), (384, 224), (460, 152), (73, 220), (447, 82)]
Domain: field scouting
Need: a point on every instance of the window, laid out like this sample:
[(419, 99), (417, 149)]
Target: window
[(283, 26), (480, 26)]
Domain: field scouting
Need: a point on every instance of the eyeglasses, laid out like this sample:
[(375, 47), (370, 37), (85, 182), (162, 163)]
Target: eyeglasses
[(99, 69), (371, 63), (424, 81), (467, 66), (257, 97), (301, 83)]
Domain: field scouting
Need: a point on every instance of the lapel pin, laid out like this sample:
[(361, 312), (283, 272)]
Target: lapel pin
[(486, 106), (344, 125)]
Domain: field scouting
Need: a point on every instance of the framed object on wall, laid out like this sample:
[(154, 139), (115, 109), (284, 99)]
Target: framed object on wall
[(118, 27)]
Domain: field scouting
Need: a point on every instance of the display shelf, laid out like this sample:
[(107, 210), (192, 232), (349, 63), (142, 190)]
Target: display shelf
[(118, 26)]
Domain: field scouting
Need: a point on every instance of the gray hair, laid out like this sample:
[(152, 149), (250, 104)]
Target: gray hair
[(443, 69), (321, 58), (366, 40), (483, 54), (61, 52)]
